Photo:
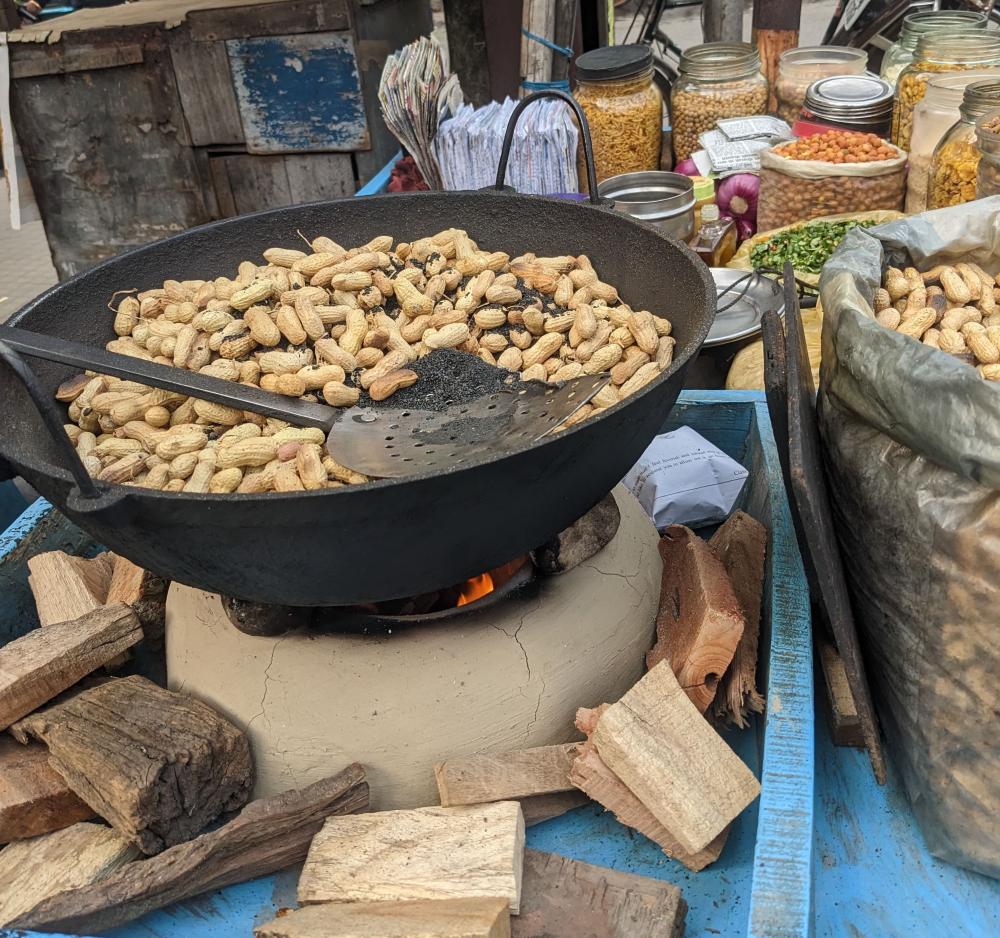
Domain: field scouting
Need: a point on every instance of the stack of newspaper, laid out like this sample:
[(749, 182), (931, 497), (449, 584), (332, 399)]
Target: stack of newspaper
[(416, 93), (542, 155)]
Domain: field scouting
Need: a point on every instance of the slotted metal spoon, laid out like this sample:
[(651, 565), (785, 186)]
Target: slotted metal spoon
[(378, 440)]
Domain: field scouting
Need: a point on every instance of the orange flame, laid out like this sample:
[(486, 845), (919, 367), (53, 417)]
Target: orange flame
[(476, 588)]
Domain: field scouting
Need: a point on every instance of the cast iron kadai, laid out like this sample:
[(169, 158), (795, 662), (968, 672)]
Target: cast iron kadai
[(394, 537)]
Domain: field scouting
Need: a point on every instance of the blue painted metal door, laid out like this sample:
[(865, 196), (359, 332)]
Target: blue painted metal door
[(299, 94)]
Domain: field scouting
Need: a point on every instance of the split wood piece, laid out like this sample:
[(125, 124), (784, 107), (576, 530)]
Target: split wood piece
[(539, 808), (658, 744), (34, 799), (66, 587), (156, 765), (145, 592), (845, 724), (419, 918), (267, 835), (592, 776), (482, 779), (699, 623), (33, 870), (740, 545), (583, 539), (44, 662), (562, 898), (424, 853)]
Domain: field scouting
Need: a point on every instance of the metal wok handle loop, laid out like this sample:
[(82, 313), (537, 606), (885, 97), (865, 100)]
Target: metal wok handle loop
[(52, 420), (588, 147)]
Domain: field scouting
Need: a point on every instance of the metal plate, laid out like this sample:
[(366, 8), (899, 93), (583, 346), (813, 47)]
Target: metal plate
[(743, 318), (391, 443)]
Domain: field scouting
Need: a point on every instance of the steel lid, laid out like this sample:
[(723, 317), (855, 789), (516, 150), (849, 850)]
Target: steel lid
[(850, 96), (651, 195), (742, 319)]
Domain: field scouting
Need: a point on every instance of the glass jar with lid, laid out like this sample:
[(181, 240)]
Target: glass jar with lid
[(932, 118), (847, 102), (938, 52), (915, 25), (988, 143), (799, 68), (614, 86), (956, 157), (717, 79)]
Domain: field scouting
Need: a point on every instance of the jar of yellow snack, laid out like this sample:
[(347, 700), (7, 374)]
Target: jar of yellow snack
[(717, 79), (956, 157), (936, 53), (901, 52), (614, 86), (988, 144)]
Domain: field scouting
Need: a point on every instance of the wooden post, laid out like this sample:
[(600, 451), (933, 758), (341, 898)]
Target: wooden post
[(775, 30), (723, 20)]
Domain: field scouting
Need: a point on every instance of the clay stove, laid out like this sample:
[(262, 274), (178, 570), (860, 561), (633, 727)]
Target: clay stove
[(501, 664)]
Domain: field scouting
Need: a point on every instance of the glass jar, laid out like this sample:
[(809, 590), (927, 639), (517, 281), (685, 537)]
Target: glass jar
[(799, 68), (717, 79), (614, 86), (988, 143), (956, 157), (847, 102), (936, 53), (901, 52)]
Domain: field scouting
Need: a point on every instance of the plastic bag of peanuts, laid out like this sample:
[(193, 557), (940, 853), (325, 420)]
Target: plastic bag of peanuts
[(912, 439), (837, 172)]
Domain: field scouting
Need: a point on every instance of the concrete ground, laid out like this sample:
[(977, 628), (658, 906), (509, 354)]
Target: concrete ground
[(25, 264)]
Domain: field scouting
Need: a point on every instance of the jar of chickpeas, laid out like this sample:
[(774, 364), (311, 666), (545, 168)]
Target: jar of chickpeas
[(614, 86), (937, 53), (717, 79)]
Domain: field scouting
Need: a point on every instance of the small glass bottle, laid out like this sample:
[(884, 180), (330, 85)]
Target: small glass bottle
[(715, 242), (704, 194), (901, 52)]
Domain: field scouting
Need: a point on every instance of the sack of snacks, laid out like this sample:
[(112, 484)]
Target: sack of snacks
[(909, 410), (836, 172)]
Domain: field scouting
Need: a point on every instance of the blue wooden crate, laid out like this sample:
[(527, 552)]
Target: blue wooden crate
[(761, 885)]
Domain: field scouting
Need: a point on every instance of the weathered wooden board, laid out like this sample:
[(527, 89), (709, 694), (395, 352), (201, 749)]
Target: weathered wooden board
[(562, 898), (245, 183), (507, 775), (205, 85), (45, 662), (33, 870), (54, 60), (299, 94), (419, 918), (34, 798), (423, 853), (268, 19), (158, 766), (845, 724), (267, 835)]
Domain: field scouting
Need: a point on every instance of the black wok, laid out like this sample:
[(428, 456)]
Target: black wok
[(391, 538)]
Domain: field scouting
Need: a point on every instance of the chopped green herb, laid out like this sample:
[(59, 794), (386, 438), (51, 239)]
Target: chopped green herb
[(808, 247)]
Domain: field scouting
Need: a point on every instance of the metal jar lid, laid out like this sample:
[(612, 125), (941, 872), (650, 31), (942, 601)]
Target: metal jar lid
[(849, 97), (649, 196), (611, 62)]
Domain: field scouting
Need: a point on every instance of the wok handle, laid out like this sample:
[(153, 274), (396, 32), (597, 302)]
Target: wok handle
[(588, 147), (52, 420)]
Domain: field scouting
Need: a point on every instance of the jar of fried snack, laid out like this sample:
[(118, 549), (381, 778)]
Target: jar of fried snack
[(614, 86), (717, 79), (956, 157), (988, 143), (901, 52), (936, 53), (799, 68)]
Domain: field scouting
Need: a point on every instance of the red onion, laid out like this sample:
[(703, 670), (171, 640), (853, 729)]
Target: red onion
[(736, 197), (687, 168)]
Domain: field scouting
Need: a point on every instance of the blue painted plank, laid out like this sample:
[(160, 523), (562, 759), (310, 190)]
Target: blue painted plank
[(299, 94), (380, 181)]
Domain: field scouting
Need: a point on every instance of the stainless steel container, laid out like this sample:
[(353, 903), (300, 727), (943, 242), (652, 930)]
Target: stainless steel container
[(664, 200)]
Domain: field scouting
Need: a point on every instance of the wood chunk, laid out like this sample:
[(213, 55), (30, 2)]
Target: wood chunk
[(419, 918), (156, 765), (267, 835), (740, 544), (845, 724), (699, 623), (485, 778), (564, 898), (33, 870), (66, 587), (34, 799), (539, 808), (658, 744), (44, 662), (584, 538), (145, 592), (592, 776), (424, 853)]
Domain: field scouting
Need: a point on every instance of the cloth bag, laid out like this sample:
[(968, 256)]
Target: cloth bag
[(913, 457)]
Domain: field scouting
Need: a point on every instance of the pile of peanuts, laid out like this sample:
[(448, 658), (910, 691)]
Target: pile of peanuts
[(839, 146), (325, 325), (953, 308)]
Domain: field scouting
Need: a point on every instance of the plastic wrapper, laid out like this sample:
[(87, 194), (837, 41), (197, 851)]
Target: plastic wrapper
[(913, 456), (800, 190)]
